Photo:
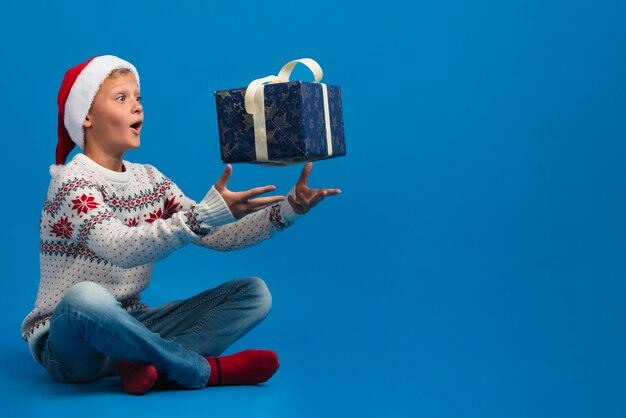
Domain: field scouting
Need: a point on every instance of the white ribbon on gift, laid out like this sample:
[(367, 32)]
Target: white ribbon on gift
[(255, 103)]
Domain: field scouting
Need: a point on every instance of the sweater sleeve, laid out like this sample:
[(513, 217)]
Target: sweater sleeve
[(251, 229), (93, 227), (245, 232)]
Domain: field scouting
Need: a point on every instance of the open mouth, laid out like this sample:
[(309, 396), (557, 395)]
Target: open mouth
[(136, 127)]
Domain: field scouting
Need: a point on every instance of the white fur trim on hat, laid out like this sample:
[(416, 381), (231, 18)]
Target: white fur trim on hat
[(84, 90)]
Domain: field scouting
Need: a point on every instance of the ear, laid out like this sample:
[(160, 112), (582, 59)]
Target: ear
[(87, 121)]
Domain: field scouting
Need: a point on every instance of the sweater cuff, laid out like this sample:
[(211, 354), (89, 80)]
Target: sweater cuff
[(286, 210), (212, 211)]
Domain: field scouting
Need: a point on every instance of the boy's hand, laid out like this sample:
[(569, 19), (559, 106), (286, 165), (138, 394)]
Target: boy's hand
[(240, 203), (306, 198)]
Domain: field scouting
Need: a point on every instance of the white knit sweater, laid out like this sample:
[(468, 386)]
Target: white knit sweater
[(109, 227)]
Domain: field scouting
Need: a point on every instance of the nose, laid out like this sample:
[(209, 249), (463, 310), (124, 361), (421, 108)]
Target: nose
[(137, 107)]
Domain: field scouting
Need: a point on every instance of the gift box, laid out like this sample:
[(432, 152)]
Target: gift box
[(275, 121)]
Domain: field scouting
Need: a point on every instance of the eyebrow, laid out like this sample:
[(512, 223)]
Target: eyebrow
[(117, 86)]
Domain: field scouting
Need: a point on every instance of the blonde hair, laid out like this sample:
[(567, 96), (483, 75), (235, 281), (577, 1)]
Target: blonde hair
[(119, 71)]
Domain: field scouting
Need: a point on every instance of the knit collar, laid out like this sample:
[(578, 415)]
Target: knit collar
[(110, 175)]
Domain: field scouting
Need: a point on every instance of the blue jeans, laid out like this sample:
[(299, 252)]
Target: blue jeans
[(90, 332)]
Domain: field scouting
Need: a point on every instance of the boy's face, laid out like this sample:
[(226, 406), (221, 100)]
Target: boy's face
[(114, 121)]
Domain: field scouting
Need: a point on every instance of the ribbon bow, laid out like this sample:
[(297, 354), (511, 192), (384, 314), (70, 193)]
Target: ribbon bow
[(255, 103)]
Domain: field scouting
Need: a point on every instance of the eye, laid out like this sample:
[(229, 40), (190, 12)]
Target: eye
[(139, 98), (120, 98)]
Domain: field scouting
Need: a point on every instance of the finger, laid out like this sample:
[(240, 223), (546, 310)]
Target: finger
[(223, 180), (322, 194), (330, 192), (326, 192), (264, 201), (304, 177), (257, 191)]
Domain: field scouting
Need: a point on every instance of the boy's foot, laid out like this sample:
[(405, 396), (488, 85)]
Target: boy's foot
[(248, 367), (137, 378)]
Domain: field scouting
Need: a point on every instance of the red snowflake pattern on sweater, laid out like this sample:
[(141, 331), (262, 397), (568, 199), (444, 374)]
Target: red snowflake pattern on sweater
[(51, 206), (84, 204), (131, 222), (63, 228), (170, 208), (157, 214)]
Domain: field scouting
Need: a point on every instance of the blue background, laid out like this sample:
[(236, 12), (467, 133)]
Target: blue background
[(474, 265)]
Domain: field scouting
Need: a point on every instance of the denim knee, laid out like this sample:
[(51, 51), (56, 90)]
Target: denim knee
[(88, 297), (262, 298)]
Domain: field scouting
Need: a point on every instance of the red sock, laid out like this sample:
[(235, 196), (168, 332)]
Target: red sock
[(245, 368), (137, 378)]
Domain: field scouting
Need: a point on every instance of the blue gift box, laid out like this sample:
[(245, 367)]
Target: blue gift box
[(296, 121)]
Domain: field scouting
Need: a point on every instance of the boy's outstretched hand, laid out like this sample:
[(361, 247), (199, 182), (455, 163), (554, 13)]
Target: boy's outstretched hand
[(306, 197), (240, 203)]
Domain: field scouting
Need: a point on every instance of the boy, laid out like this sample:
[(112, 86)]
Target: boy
[(106, 221)]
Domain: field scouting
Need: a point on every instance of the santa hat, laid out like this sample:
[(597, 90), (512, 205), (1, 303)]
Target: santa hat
[(79, 87)]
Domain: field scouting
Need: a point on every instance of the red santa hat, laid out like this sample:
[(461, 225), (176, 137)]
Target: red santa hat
[(79, 87)]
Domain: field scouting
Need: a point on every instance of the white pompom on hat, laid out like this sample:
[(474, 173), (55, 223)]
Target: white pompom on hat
[(76, 94)]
